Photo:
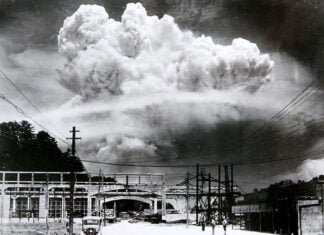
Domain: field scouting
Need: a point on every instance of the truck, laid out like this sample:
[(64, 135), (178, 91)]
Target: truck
[(91, 225)]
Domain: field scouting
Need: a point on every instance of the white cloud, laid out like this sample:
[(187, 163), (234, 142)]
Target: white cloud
[(144, 54)]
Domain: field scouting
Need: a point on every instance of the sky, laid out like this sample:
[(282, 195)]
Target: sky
[(171, 83)]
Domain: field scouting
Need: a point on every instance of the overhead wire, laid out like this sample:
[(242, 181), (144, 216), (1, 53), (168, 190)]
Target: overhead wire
[(276, 117), (281, 111), (261, 151), (210, 164), (277, 140), (34, 106), (281, 170), (26, 115), (300, 99), (286, 107)]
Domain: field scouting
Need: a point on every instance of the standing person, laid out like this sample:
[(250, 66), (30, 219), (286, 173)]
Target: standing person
[(203, 222), (213, 224), (224, 225)]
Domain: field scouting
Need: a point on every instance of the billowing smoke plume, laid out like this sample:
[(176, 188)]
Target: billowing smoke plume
[(145, 54), (148, 90), (142, 90)]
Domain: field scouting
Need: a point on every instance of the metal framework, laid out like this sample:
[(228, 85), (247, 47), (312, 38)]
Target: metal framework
[(214, 197)]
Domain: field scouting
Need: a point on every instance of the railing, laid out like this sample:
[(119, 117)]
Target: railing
[(24, 177)]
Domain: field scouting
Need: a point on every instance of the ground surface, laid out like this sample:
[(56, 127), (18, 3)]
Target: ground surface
[(167, 229), (121, 228), (35, 228)]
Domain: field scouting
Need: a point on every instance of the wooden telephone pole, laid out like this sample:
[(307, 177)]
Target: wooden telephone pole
[(72, 178)]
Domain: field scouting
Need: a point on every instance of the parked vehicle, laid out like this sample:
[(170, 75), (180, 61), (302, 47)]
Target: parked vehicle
[(107, 215), (156, 218), (123, 215), (91, 225)]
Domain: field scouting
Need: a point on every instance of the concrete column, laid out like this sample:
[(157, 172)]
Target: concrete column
[(28, 202), (163, 203), (89, 205), (14, 198), (63, 208), (46, 206), (155, 206), (42, 204), (115, 208), (6, 206), (2, 197), (97, 204), (61, 178)]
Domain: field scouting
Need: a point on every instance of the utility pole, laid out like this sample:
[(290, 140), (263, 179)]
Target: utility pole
[(72, 178), (231, 191), (227, 192), (209, 199), (220, 206), (232, 179), (99, 193), (197, 192), (321, 183), (104, 201), (322, 206), (187, 199)]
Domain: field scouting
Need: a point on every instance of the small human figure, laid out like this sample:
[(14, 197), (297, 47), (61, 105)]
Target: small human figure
[(224, 224), (203, 222), (213, 224)]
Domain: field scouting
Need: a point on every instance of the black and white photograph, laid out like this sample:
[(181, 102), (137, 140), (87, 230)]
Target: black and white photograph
[(162, 117)]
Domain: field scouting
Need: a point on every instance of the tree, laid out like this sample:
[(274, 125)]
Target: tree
[(23, 150)]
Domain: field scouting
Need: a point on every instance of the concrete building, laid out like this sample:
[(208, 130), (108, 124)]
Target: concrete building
[(46, 195)]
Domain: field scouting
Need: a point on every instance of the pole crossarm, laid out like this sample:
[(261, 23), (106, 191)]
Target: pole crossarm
[(72, 178)]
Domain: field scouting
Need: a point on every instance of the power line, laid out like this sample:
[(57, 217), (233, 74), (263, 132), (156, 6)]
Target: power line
[(287, 137), (243, 162), (20, 91), (22, 112), (289, 134), (282, 169), (278, 114), (277, 140), (275, 117), (72, 179), (304, 96), (238, 163), (136, 165), (31, 103)]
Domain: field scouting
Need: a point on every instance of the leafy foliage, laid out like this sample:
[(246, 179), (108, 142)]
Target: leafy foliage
[(21, 149)]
